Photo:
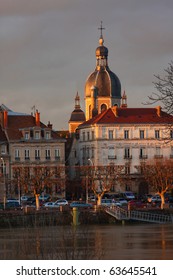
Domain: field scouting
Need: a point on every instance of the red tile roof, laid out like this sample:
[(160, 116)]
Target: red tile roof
[(18, 122), (130, 116)]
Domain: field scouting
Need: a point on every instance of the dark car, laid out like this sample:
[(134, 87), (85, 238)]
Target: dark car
[(80, 204), (13, 206), (31, 200)]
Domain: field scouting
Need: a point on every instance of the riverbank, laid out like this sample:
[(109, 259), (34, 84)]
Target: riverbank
[(64, 216), (12, 219)]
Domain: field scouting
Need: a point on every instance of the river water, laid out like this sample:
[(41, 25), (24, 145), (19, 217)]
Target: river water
[(99, 242)]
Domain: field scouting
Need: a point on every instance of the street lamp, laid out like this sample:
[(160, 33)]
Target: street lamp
[(3, 171)]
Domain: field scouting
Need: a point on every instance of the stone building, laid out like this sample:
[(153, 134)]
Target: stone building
[(26, 142)]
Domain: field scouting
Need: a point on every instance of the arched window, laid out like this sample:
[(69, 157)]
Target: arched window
[(103, 107)]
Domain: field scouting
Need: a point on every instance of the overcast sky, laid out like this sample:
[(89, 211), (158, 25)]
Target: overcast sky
[(47, 50)]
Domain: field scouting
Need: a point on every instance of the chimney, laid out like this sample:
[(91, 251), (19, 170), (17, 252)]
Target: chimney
[(49, 125), (5, 119), (115, 110), (158, 108), (37, 118)]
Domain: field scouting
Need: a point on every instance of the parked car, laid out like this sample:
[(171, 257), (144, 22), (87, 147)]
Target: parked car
[(1, 206), (31, 200), (135, 204), (80, 204), (24, 198), (110, 202), (61, 202), (128, 195), (50, 204), (155, 199), (13, 206), (11, 199), (44, 197), (122, 201)]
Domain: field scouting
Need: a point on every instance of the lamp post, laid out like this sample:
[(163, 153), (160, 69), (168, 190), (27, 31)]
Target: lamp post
[(3, 168)]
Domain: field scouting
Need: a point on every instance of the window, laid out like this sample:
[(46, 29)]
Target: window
[(110, 134), (47, 153), (37, 154), (37, 135), (126, 134), (88, 136), (27, 154), (57, 153), (141, 134), (17, 154), (157, 134), (142, 153), (103, 132), (3, 149), (92, 152), (111, 153), (127, 153), (83, 136), (26, 135), (47, 135), (92, 135), (158, 153), (87, 152)]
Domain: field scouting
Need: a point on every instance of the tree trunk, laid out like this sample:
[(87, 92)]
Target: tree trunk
[(162, 200), (37, 202)]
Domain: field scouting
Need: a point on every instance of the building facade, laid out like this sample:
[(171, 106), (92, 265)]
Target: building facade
[(114, 134), (126, 137), (28, 143)]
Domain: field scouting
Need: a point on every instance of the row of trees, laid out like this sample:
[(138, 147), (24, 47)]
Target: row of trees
[(98, 180)]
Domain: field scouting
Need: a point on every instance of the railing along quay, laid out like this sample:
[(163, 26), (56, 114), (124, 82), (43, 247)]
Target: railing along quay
[(122, 214)]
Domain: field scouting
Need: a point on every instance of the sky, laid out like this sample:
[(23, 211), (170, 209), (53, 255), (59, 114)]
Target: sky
[(47, 51)]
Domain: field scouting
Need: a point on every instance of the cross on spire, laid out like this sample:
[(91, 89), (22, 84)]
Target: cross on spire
[(101, 28)]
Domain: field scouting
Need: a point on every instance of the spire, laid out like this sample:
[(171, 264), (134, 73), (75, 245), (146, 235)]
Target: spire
[(124, 100), (77, 101), (101, 40)]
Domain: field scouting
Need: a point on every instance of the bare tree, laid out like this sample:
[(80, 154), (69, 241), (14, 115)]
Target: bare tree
[(100, 179), (159, 175), (164, 87), (38, 179)]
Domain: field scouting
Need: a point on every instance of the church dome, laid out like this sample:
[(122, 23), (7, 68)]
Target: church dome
[(106, 82)]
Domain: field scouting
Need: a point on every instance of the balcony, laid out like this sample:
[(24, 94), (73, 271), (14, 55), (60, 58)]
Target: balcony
[(127, 157), (37, 158), (57, 158), (158, 156), (112, 157), (17, 158), (143, 156), (27, 158), (48, 158)]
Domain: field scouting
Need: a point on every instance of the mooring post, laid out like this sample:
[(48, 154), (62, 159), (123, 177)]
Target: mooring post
[(75, 216)]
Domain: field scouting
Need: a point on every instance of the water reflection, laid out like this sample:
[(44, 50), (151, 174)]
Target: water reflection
[(128, 242)]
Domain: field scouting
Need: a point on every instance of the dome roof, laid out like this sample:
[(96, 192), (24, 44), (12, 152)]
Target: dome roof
[(106, 82), (102, 51), (77, 116)]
